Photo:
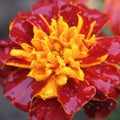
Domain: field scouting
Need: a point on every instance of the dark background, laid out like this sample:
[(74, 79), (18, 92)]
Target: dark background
[(8, 10)]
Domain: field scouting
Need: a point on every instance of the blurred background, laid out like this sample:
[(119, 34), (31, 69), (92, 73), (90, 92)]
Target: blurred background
[(8, 10)]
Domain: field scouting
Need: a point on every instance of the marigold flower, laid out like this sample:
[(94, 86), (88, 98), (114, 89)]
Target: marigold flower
[(55, 64)]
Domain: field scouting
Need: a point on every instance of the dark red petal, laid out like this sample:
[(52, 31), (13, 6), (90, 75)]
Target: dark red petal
[(5, 47), (21, 30), (17, 61), (118, 86), (93, 15), (49, 109), (4, 72), (4, 50), (37, 21), (112, 44), (100, 110), (104, 77), (4, 43), (74, 95), (47, 8), (94, 54), (20, 89), (69, 13), (99, 96), (100, 18)]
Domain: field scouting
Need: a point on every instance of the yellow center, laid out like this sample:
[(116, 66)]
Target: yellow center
[(56, 57)]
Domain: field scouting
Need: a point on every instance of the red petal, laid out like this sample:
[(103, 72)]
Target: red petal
[(20, 89), (105, 78), (21, 30), (112, 44), (99, 96), (100, 18), (5, 47), (37, 21), (92, 15), (49, 109), (94, 54), (4, 72), (47, 8), (100, 110), (69, 13), (74, 96), (17, 61)]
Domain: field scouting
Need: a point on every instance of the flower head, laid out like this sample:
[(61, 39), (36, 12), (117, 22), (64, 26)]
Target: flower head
[(56, 62)]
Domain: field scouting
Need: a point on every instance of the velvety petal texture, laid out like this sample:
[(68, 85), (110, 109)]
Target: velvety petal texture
[(75, 95), (113, 47), (49, 109), (5, 47), (21, 30), (100, 110), (20, 89), (105, 78), (55, 64)]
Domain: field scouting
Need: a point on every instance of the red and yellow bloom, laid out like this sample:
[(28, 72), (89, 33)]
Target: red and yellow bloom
[(55, 64)]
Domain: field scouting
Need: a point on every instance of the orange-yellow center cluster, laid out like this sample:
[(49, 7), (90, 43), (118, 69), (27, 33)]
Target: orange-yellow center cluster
[(56, 57)]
